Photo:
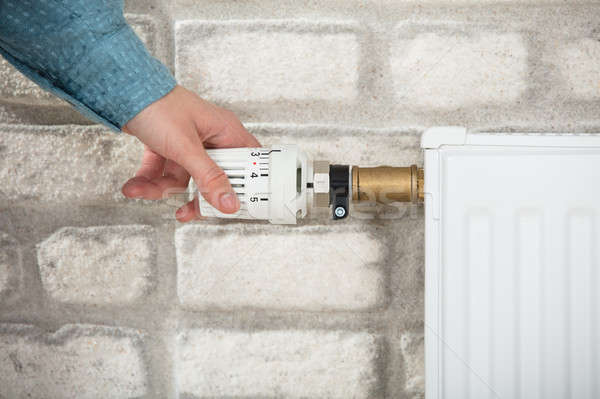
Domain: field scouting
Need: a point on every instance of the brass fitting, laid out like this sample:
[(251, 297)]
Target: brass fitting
[(420, 184), (386, 184)]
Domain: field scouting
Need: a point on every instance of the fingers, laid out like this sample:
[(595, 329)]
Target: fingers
[(212, 182), (173, 170), (152, 164), (157, 178), (159, 188), (189, 211), (151, 167), (139, 187), (175, 179)]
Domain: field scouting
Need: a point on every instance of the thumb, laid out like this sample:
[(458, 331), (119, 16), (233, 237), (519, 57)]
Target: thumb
[(211, 180)]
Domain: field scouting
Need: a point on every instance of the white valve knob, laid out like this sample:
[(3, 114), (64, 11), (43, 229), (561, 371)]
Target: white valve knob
[(270, 182)]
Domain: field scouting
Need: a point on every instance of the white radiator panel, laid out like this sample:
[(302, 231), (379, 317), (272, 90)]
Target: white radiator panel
[(512, 279)]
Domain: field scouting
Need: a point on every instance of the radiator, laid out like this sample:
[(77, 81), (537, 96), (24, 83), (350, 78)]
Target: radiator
[(511, 244)]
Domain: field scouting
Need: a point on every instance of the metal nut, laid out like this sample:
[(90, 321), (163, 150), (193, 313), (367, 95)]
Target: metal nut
[(321, 176), (321, 184)]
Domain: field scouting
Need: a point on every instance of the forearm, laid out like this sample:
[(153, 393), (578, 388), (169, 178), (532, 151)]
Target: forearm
[(84, 52)]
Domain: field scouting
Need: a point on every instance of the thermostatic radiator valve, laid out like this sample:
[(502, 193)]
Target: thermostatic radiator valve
[(271, 183), (278, 184)]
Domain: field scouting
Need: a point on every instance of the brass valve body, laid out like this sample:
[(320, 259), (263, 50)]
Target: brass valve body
[(387, 184)]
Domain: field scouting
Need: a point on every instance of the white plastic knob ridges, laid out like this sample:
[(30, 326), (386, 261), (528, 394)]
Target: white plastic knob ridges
[(270, 183)]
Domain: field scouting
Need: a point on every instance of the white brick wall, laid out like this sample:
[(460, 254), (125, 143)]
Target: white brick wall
[(238, 61), (146, 28), (9, 265), (75, 164), (454, 69), (97, 265), (344, 145), (413, 352), (322, 310), (578, 62), (18, 88), (291, 364), (319, 269), (74, 362)]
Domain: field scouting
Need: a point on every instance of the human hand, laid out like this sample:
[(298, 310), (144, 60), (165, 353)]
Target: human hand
[(175, 130)]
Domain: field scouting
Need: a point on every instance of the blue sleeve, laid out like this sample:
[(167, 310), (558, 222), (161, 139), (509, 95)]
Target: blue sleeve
[(84, 52)]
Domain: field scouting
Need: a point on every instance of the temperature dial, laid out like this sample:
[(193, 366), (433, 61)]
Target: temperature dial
[(270, 183)]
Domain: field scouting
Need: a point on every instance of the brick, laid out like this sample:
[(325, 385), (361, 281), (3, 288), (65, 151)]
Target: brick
[(78, 361), (9, 265), (452, 70), (279, 268), (350, 146), (145, 27), (65, 163), (413, 352), (578, 63), (291, 364), (97, 265), (17, 88), (266, 61)]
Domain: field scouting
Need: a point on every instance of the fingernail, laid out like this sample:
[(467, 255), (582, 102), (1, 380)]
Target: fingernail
[(229, 201)]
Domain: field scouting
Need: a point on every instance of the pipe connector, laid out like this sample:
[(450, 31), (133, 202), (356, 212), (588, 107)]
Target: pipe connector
[(387, 184)]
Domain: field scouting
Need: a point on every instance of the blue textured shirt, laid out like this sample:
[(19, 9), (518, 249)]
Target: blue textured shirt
[(84, 52)]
